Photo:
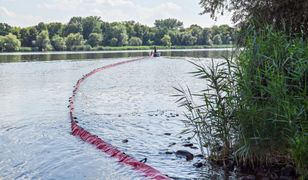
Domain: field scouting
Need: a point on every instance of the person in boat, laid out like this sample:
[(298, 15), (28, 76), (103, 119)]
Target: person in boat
[(155, 54)]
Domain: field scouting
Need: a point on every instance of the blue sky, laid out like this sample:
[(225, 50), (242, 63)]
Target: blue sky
[(30, 12)]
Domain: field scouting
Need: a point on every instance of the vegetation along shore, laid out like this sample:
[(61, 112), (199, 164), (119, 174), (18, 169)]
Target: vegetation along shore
[(91, 33), (254, 110)]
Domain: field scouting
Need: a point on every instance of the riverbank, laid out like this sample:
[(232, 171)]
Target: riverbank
[(124, 48), (81, 55)]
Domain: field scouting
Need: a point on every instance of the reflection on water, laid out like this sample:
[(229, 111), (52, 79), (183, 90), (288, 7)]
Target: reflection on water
[(131, 102), (26, 57)]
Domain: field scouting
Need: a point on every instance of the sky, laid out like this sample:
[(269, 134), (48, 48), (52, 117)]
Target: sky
[(31, 12)]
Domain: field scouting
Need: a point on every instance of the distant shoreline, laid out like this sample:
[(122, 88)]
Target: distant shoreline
[(125, 48)]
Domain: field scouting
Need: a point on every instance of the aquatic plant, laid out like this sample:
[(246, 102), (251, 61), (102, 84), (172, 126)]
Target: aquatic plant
[(273, 89), (255, 108), (213, 121)]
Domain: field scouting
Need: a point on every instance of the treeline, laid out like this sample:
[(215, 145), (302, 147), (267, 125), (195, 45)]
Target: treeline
[(91, 33)]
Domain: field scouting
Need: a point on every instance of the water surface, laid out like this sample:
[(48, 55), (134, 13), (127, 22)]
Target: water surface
[(79, 55), (127, 102)]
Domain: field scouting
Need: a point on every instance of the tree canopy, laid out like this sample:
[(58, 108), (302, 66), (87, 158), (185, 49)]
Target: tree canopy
[(92, 32), (168, 24), (287, 15), (9, 43)]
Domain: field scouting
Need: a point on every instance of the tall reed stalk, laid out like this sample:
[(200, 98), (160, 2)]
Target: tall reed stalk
[(255, 106), (213, 121)]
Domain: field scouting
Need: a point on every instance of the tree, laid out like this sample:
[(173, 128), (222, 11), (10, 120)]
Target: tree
[(135, 41), (91, 24), (123, 39), (188, 39), (58, 43), (196, 31), (206, 37), (2, 40), (166, 40), (158, 34), (107, 32), (217, 39), (95, 39), (74, 39), (9, 43), (114, 42), (168, 24), (41, 27), (16, 31), (140, 30), (118, 31), (74, 26), (28, 36), (55, 28), (129, 26), (150, 42), (175, 36), (5, 29), (43, 41), (286, 15)]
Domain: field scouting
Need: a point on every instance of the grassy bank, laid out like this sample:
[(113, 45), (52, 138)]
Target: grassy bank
[(123, 48)]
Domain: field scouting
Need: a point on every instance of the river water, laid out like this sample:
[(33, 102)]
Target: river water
[(130, 102)]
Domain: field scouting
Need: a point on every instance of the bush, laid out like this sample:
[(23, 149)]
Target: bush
[(81, 48), (114, 42), (43, 42), (95, 39), (217, 39), (273, 85), (135, 41), (213, 121), (25, 49), (73, 40), (166, 40), (258, 106), (9, 43), (58, 43), (273, 108)]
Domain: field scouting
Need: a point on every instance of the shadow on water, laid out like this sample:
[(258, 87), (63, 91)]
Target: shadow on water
[(27, 57)]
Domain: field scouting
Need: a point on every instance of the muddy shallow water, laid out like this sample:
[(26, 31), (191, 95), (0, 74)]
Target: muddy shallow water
[(132, 102)]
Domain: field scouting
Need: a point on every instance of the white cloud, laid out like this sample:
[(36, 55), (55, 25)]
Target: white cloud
[(21, 12), (112, 2), (4, 12), (69, 5), (13, 18), (60, 5), (146, 15)]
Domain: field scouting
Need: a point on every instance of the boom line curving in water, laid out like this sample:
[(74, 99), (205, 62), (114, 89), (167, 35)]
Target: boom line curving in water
[(102, 145)]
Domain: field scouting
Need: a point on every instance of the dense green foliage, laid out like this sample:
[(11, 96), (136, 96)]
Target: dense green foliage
[(285, 15), (213, 122), (43, 41), (273, 108), (256, 104), (255, 109), (95, 39), (73, 40), (58, 43), (9, 43), (93, 33), (135, 41)]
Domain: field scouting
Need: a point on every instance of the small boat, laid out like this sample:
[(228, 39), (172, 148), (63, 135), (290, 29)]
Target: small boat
[(157, 54)]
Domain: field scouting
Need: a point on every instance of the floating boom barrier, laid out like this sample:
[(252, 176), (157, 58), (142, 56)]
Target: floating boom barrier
[(102, 145)]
